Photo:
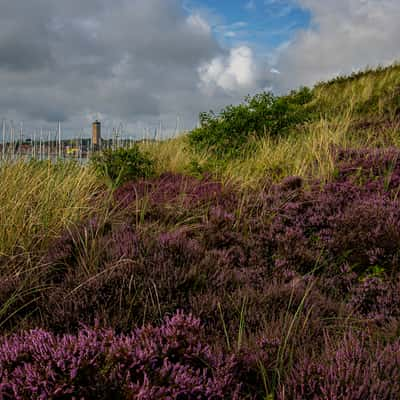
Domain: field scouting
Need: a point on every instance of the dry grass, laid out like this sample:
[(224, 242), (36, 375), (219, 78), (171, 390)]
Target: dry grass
[(39, 200), (169, 155), (305, 153), (366, 101)]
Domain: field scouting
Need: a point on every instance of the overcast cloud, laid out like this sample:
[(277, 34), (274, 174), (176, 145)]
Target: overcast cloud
[(345, 35), (139, 61), (122, 60)]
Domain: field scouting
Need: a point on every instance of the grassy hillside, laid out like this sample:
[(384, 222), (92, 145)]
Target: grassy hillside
[(265, 270), (362, 110)]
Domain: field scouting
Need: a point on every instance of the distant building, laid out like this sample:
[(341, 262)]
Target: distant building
[(96, 135)]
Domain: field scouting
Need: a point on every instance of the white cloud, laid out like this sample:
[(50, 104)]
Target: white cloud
[(345, 35), (234, 72)]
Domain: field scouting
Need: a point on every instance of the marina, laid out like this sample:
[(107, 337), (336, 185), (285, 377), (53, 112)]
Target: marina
[(18, 142)]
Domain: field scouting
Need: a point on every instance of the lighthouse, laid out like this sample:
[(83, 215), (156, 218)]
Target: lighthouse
[(96, 135)]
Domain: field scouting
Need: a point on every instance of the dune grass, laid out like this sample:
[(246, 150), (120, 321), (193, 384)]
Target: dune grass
[(308, 152), (39, 199), (357, 111), (169, 155)]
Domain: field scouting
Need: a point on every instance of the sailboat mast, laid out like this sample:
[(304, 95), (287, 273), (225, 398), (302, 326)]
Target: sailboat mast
[(3, 148), (34, 145), (49, 145), (21, 127), (41, 145), (12, 140), (59, 139)]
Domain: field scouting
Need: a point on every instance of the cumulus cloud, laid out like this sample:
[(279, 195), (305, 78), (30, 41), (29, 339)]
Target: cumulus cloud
[(345, 35), (235, 72)]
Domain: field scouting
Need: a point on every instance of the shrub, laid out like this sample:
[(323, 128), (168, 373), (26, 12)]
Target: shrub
[(229, 131), (352, 220), (195, 243), (169, 189), (376, 299), (123, 165), (167, 362), (353, 369)]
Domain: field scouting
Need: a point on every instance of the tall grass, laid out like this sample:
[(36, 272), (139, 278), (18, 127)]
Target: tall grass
[(360, 111), (368, 92), (39, 200), (306, 152), (170, 155)]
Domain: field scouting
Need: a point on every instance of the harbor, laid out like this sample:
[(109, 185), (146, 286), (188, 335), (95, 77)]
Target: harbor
[(18, 143)]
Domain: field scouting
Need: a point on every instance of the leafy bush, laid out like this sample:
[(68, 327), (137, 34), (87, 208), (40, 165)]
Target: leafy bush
[(123, 165), (227, 132)]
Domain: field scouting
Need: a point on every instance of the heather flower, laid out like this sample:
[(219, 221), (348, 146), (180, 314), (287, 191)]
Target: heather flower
[(352, 369), (294, 261), (376, 299), (170, 361)]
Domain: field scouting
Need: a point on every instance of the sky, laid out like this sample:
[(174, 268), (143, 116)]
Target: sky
[(142, 63)]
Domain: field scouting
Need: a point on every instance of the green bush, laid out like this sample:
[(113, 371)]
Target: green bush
[(226, 133), (122, 165)]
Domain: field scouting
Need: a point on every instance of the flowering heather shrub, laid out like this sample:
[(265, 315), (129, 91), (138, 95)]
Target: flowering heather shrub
[(218, 255), (381, 166), (61, 250), (175, 189), (148, 277), (294, 261), (353, 369), (376, 299), (167, 362), (120, 243), (346, 221), (73, 244), (223, 240)]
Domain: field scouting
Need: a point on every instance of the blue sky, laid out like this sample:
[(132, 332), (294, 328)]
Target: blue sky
[(262, 24)]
